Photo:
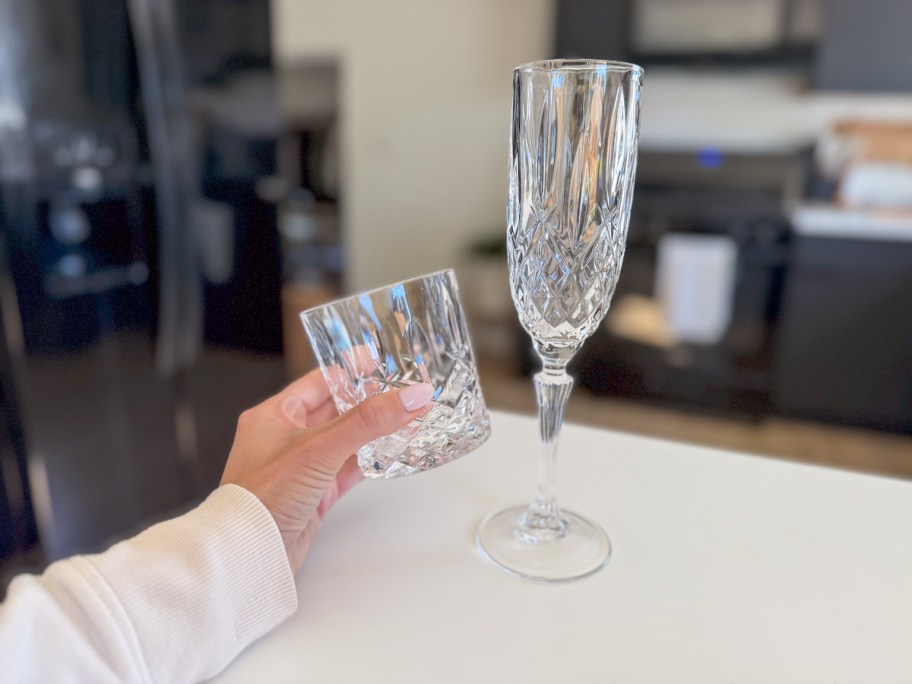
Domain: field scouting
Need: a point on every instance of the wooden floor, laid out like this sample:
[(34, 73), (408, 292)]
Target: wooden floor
[(823, 444)]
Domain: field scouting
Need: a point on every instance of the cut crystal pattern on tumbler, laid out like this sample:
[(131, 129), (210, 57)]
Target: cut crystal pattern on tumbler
[(404, 334)]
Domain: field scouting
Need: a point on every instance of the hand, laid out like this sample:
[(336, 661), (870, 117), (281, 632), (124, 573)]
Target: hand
[(294, 451)]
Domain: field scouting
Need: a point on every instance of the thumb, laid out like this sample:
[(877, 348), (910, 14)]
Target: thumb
[(373, 418)]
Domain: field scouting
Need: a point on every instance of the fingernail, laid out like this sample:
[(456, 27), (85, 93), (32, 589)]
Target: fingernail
[(294, 409), (414, 397)]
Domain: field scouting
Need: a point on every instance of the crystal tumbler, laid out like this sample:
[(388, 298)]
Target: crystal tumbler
[(407, 333)]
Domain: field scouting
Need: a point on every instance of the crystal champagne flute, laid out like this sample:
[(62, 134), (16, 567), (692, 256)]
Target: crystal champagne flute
[(573, 150)]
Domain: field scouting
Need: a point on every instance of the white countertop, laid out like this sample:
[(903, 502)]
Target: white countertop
[(726, 568), (829, 221)]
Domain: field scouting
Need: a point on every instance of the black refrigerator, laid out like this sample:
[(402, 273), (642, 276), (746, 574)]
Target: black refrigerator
[(139, 308)]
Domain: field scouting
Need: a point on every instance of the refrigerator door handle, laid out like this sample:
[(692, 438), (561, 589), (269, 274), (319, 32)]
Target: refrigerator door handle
[(175, 169), (176, 177)]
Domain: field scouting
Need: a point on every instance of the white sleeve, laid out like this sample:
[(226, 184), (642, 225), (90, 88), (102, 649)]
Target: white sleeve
[(176, 603)]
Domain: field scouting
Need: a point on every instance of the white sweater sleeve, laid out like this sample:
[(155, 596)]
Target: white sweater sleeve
[(174, 604)]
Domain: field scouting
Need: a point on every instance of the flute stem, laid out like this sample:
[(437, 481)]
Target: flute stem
[(543, 522)]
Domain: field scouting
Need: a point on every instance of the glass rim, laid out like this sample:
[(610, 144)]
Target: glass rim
[(553, 65), (341, 300)]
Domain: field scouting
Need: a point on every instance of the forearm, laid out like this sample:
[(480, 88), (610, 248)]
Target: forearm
[(175, 604)]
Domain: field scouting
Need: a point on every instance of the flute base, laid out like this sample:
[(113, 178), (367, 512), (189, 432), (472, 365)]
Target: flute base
[(583, 549)]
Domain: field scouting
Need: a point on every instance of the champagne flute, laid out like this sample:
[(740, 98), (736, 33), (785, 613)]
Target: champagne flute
[(573, 150)]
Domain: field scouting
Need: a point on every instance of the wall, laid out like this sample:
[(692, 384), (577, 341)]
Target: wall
[(865, 46), (425, 99)]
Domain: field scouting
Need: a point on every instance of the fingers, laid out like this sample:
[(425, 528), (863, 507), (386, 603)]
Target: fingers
[(325, 413), (310, 390), (349, 475), (373, 418), (306, 401), (309, 393)]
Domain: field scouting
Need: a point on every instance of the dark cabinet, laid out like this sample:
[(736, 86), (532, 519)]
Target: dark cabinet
[(845, 344)]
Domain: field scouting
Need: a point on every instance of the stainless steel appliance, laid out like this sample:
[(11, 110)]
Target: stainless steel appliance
[(116, 408)]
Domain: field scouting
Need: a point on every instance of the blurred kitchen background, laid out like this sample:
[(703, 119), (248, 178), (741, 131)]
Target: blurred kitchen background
[(179, 178)]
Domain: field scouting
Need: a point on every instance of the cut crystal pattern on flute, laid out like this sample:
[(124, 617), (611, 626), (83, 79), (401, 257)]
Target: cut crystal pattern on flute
[(573, 150)]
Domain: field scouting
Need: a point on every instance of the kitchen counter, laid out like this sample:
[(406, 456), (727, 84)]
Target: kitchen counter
[(726, 567), (829, 221)]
